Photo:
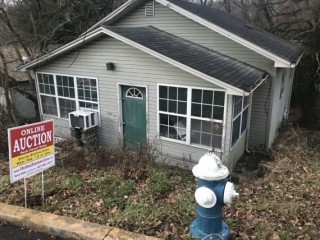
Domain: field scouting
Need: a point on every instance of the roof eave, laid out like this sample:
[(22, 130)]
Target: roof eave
[(230, 89), (61, 50)]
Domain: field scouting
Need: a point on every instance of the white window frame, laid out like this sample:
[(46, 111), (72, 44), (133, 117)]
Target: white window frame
[(243, 108), (76, 98), (188, 116)]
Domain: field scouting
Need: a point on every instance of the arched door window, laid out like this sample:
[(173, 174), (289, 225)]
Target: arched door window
[(134, 93)]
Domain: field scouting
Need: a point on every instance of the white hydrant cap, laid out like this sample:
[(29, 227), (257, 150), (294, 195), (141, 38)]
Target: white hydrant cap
[(205, 197), (210, 168), (229, 193)]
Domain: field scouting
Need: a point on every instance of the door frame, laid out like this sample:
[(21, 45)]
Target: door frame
[(120, 110)]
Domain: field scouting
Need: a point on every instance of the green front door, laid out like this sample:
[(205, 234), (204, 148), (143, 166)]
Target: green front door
[(134, 115)]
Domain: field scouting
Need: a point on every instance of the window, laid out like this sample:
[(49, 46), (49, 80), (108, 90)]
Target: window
[(49, 105), (60, 94), (87, 93), (283, 83), (240, 117), (173, 108), (197, 122), (134, 93)]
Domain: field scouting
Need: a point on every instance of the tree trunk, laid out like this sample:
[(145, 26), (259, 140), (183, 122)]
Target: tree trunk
[(5, 81)]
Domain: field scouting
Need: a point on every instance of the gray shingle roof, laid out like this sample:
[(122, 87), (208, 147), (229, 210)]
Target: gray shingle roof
[(253, 34), (202, 59)]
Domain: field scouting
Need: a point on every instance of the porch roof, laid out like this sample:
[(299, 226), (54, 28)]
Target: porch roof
[(197, 57)]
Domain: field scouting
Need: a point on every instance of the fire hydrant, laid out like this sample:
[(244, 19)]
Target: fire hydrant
[(213, 192)]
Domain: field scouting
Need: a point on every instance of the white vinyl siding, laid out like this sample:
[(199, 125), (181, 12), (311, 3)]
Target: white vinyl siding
[(260, 112), (132, 67), (174, 23)]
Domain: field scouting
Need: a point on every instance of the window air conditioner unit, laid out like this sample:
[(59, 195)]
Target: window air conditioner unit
[(83, 119)]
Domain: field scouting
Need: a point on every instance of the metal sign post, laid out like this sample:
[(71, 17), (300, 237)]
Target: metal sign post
[(25, 192)]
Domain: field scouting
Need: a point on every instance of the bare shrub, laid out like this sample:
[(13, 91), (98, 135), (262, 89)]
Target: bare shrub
[(127, 163)]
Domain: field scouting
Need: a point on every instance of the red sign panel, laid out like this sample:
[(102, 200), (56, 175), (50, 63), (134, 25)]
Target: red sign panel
[(31, 149)]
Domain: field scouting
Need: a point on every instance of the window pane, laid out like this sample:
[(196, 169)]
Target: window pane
[(173, 93), (59, 80), (72, 94), (163, 92), (87, 95), (217, 128), (219, 98), (163, 105), (195, 125), (206, 126), (195, 137), (173, 133), (60, 91), (164, 131), (80, 94), (182, 107), (244, 120), (206, 111), (89, 105), (207, 96), (218, 113), (181, 128), (182, 94), (237, 105), (66, 106), (93, 82), (172, 120), (45, 79), (173, 106), (94, 96), (40, 79), (206, 139), (47, 89), (49, 105), (51, 82), (41, 88), (196, 110), (236, 130), (196, 95), (164, 120)]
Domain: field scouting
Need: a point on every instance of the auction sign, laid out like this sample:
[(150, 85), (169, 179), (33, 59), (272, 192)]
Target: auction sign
[(31, 149)]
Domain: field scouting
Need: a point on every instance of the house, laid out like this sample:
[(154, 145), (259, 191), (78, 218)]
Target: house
[(188, 77), (23, 107)]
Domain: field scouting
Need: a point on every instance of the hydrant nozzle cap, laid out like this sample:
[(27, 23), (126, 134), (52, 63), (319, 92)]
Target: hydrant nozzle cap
[(210, 168)]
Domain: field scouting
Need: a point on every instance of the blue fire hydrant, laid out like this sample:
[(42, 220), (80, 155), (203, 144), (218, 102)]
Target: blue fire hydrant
[(213, 192)]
